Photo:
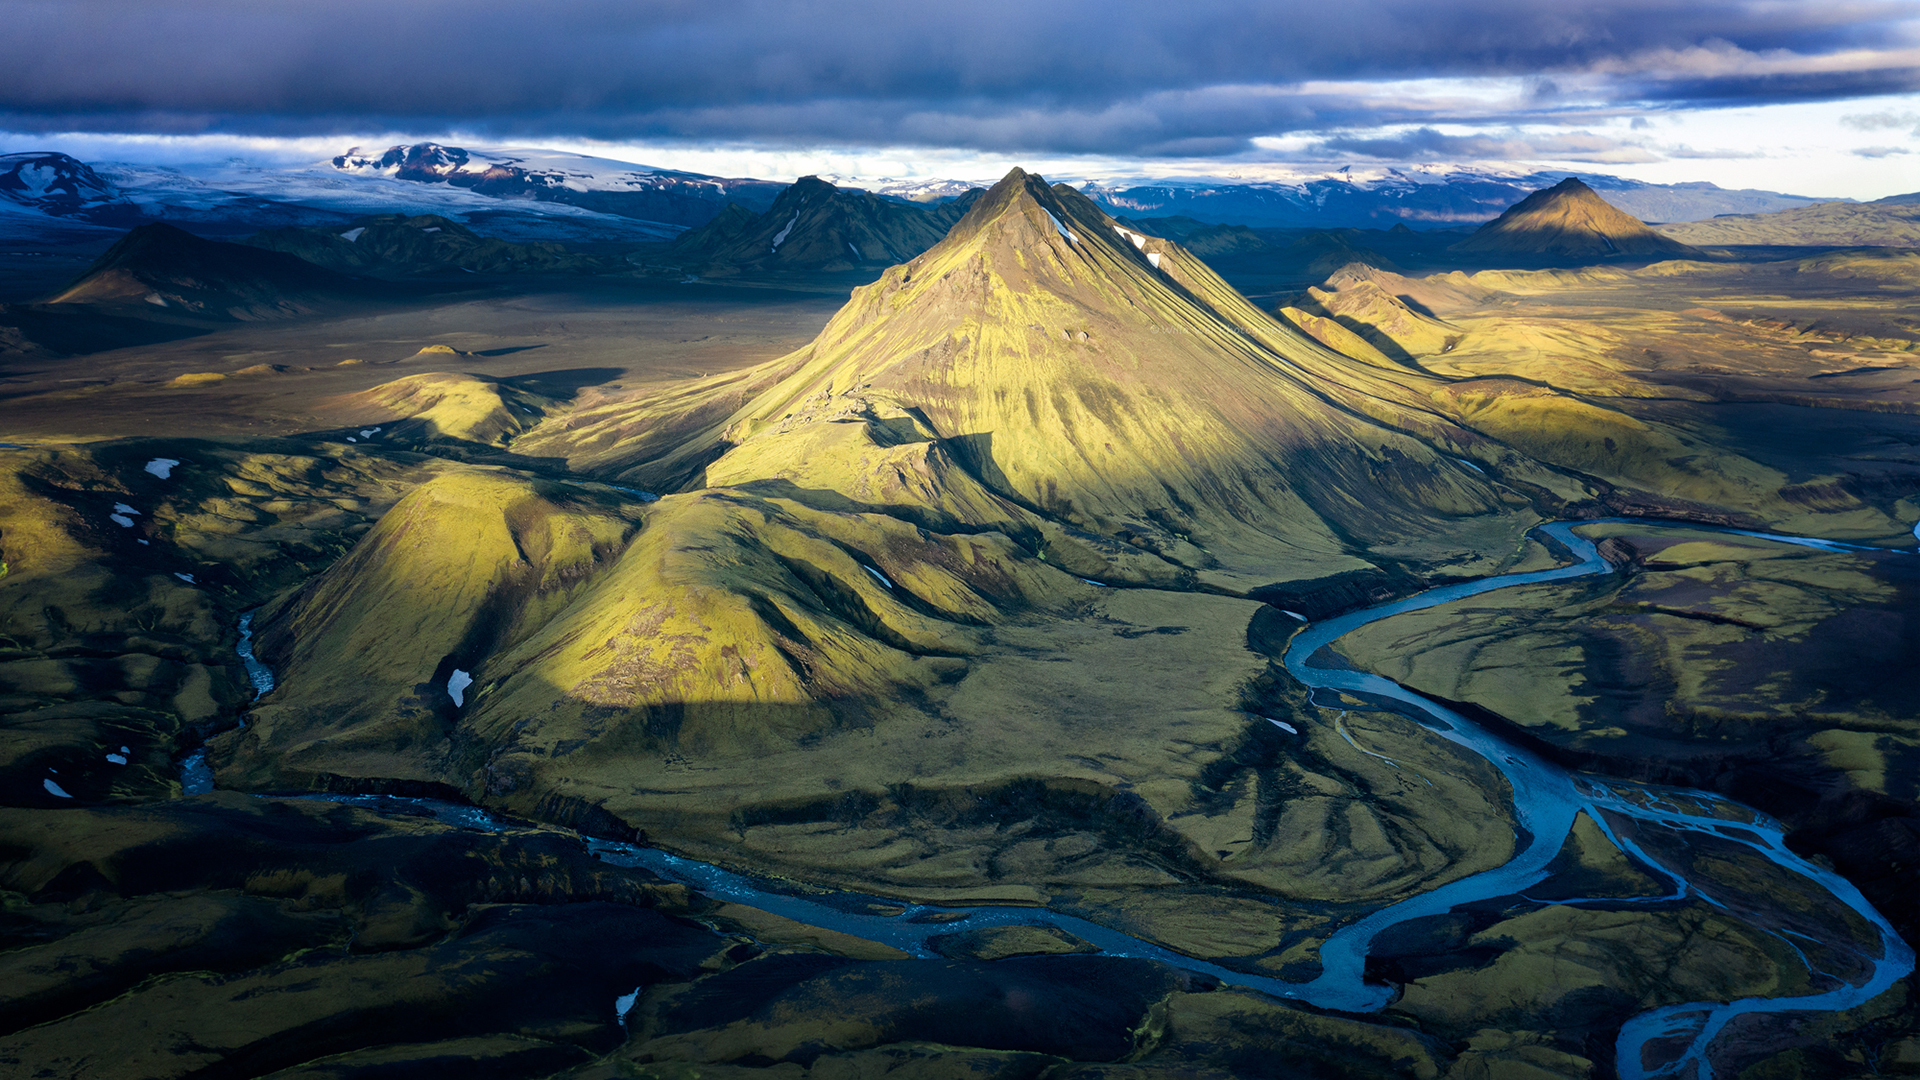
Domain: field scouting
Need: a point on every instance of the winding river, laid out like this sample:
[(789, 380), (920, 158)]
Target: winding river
[(1670, 1041)]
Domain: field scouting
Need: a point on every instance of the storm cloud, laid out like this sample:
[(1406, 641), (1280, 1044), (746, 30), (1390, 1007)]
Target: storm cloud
[(1148, 78)]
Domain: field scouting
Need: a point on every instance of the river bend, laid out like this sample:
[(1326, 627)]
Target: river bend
[(1669, 1041)]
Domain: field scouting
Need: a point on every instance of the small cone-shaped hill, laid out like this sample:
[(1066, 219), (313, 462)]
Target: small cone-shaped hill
[(449, 405), (814, 225), (1571, 220), (1364, 302), (174, 270)]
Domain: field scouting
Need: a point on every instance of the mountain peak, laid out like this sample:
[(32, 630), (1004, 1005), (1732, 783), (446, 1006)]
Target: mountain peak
[(53, 182), (1571, 220), (1109, 380), (1046, 210), (429, 162)]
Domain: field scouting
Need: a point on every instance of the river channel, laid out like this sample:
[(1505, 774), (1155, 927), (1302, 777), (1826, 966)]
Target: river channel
[(1669, 1041)]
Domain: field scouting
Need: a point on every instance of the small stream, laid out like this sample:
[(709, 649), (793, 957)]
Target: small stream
[(1670, 1041), (196, 776)]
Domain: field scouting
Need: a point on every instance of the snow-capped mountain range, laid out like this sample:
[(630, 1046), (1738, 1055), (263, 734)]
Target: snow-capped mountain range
[(511, 193), (619, 188), (531, 194), (1423, 197)]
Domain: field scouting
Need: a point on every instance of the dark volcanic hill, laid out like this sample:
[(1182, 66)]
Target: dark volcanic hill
[(814, 225), (1571, 220), (399, 245), (1205, 240), (160, 267)]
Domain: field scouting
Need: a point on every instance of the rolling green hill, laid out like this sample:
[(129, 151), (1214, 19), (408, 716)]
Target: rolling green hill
[(1886, 223)]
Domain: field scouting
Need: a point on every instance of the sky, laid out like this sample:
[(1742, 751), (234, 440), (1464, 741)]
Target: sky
[(1816, 98)]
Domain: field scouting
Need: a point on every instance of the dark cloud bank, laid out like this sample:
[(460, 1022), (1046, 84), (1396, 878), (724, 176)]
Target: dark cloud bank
[(1137, 77)]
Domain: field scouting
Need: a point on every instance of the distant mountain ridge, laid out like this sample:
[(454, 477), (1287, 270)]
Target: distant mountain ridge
[(597, 184), (159, 266), (534, 194), (160, 283), (1890, 222), (1461, 197), (816, 226), (396, 245)]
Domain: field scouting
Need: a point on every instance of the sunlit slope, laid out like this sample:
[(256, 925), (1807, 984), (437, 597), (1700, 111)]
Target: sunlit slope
[(865, 627), (733, 623), (870, 629), (448, 405), (1884, 223), (455, 570), (845, 696), (1107, 381), (1604, 378), (1359, 301)]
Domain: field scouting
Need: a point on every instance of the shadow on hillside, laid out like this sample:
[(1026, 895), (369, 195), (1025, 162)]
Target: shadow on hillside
[(510, 350), (563, 384)]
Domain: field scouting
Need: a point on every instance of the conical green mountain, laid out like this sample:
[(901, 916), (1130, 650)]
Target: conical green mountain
[(814, 225), (1103, 379), (1571, 220)]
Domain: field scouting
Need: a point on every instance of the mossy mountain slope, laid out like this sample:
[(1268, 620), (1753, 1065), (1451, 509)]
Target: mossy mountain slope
[(1101, 379), (843, 696), (868, 628), (451, 573), (1571, 220), (814, 225), (1890, 222), (450, 405), (1359, 301)]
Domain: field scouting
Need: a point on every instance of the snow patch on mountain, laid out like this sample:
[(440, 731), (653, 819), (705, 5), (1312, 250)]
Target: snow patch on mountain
[(781, 236)]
